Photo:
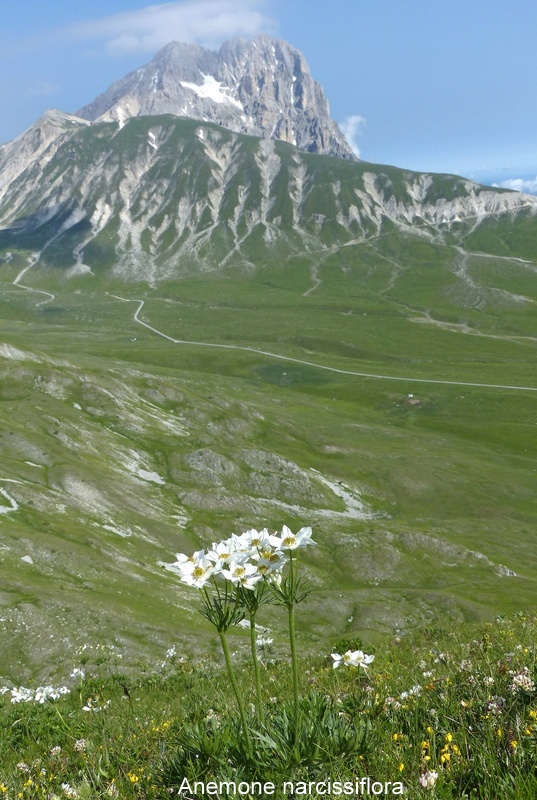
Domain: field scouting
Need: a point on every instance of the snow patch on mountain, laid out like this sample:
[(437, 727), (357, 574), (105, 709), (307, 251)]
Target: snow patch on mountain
[(213, 90)]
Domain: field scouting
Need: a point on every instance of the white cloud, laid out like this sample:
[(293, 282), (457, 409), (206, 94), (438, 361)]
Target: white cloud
[(206, 22), (527, 185), (352, 127)]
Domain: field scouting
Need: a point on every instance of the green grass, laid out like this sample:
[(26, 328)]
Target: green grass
[(448, 469), (121, 448), (460, 706)]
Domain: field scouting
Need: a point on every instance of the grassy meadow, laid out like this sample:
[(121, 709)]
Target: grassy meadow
[(122, 448)]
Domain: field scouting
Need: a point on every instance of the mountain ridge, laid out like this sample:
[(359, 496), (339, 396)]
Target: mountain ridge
[(261, 87), (154, 195)]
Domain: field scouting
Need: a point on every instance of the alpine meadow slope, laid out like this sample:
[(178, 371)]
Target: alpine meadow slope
[(188, 318)]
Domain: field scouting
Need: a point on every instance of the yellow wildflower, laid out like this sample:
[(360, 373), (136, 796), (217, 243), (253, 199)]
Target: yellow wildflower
[(429, 730), (401, 767), (449, 737)]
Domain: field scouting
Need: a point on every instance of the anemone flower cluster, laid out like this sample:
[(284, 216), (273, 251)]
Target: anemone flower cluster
[(23, 695), (243, 559)]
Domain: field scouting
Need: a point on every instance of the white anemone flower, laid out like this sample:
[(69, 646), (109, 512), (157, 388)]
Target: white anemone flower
[(21, 695), (254, 540), (269, 553), (183, 564), (291, 541), (224, 552), (245, 575), (269, 562), (182, 558), (197, 573), (352, 658), (42, 693)]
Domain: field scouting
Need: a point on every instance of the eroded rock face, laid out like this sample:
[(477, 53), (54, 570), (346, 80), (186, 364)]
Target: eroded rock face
[(149, 199), (261, 88)]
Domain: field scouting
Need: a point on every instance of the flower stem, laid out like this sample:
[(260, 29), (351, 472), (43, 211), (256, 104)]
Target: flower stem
[(253, 645), (294, 666), (233, 682), (292, 639)]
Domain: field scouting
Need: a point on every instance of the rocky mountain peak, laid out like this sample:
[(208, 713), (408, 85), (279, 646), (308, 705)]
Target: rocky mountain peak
[(261, 87)]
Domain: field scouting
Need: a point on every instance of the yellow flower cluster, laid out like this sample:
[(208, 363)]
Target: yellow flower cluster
[(135, 775), (425, 749), (161, 728), (448, 750), (530, 727)]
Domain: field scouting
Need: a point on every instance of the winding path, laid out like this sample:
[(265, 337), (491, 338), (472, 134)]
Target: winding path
[(33, 261), (137, 319)]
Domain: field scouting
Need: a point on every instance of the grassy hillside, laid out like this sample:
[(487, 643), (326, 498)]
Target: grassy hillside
[(122, 447), (439, 713)]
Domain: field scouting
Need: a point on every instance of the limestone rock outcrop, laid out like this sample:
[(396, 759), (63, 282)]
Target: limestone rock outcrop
[(261, 87)]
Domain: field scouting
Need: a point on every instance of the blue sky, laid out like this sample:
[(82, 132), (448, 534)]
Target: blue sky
[(445, 86)]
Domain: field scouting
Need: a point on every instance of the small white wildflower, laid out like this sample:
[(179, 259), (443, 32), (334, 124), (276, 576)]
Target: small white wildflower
[(21, 695), (254, 540), (242, 574), (291, 541), (197, 572), (495, 705), (352, 658), (415, 691), (428, 779), (521, 680), (78, 673), (229, 550), (80, 745), (90, 705)]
